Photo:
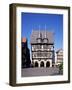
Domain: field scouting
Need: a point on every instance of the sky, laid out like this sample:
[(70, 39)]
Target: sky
[(53, 23)]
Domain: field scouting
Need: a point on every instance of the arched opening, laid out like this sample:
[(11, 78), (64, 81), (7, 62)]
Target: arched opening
[(42, 64), (36, 64), (48, 64), (52, 65)]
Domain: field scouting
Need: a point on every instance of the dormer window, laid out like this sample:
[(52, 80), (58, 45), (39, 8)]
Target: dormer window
[(45, 39), (39, 39)]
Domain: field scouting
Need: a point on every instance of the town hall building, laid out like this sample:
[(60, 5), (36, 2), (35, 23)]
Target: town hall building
[(42, 48)]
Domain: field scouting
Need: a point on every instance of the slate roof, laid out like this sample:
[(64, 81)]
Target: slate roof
[(36, 34)]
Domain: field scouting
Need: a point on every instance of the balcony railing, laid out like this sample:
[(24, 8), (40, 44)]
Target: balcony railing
[(42, 57), (48, 56), (42, 49)]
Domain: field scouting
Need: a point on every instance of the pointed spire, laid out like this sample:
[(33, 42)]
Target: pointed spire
[(45, 26), (32, 29), (45, 30), (39, 30)]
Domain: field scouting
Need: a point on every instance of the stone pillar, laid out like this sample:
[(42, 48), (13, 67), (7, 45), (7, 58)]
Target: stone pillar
[(45, 64), (50, 63), (39, 64)]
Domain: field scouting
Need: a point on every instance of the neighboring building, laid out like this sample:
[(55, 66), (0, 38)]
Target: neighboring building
[(59, 56), (25, 54), (42, 48)]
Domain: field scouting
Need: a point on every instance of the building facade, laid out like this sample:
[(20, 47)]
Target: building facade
[(59, 56), (42, 48)]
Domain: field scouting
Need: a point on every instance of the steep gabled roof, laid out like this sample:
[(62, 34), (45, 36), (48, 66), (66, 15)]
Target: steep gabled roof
[(59, 50), (35, 35)]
